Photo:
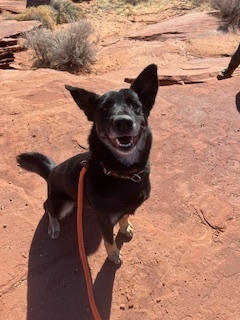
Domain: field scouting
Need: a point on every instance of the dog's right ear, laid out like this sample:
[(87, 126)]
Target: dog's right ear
[(86, 100)]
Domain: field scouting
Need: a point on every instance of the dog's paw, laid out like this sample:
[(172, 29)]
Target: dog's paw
[(125, 226), (53, 227), (127, 230), (114, 254), (54, 230), (116, 257)]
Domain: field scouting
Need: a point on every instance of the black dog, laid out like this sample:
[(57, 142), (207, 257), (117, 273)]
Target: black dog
[(117, 177)]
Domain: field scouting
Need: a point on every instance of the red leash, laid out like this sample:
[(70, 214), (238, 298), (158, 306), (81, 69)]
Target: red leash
[(81, 246)]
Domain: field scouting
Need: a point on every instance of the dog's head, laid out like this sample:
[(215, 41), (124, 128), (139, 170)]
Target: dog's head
[(120, 117)]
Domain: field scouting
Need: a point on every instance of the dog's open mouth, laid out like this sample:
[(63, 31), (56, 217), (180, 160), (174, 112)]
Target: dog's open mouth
[(124, 143)]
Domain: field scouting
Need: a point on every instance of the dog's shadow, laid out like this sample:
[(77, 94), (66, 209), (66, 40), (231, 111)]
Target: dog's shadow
[(238, 101), (56, 283)]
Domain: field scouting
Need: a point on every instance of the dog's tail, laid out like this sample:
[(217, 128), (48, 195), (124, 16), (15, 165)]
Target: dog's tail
[(36, 162)]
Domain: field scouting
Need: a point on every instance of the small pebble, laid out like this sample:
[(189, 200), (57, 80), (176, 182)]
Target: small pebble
[(122, 307)]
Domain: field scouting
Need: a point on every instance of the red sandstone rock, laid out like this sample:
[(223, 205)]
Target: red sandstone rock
[(9, 28), (16, 6), (182, 27), (183, 261), (9, 45)]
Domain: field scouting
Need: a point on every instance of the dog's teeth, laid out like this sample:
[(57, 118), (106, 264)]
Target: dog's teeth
[(124, 145)]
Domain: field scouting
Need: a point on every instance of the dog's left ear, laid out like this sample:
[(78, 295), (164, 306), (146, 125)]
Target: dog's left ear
[(146, 86), (86, 100)]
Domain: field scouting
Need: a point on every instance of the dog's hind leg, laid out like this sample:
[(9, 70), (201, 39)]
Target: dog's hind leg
[(57, 208), (125, 226)]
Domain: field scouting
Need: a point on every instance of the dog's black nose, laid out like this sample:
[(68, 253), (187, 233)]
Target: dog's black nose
[(123, 123)]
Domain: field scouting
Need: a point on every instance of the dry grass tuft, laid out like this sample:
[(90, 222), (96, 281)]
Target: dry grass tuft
[(69, 49), (57, 12), (66, 11), (43, 13)]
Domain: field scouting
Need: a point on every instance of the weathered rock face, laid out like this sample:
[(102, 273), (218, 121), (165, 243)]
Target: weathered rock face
[(183, 27), (9, 34), (17, 6), (13, 5), (8, 46)]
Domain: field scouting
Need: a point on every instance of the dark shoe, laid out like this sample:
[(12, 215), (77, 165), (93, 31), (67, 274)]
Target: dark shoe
[(224, 74)]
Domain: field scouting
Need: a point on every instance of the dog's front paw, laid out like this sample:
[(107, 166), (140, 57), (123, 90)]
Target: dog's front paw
[(54, 228), (114, 254), (125, 226), (127, 230), (116, 257)]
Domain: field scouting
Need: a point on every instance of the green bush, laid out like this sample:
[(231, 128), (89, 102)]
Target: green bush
[(230, 13), (68, 49)]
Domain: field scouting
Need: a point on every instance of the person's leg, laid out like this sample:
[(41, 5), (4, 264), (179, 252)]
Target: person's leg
[(233, 64)]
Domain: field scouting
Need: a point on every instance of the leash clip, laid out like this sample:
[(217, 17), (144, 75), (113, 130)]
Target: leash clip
[(136, 178), (106, 171), (84, 163)]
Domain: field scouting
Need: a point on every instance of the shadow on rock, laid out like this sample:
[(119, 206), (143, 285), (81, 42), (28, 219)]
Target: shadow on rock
[(56, 283), (36, 3), (238, 102)]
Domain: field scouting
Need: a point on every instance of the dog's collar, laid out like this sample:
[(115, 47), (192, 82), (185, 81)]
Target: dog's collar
[(134, 176)]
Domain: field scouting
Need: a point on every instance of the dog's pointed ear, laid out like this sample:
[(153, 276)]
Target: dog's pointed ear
[(86, 100), (146, 86)]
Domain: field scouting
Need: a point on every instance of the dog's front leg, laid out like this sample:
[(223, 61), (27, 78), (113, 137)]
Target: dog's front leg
[(113, 252), (125, 226), (53, 227)]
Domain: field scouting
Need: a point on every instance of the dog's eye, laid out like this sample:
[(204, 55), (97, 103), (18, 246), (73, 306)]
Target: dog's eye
[(106, 107), (133, 106), (136, 108)]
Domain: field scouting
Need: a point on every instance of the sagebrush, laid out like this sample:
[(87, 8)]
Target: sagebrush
[(67, 49), (66, 11), (230, 13), (57, 12)]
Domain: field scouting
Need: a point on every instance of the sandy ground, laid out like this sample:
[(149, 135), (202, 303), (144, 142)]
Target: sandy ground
[(184, 259)]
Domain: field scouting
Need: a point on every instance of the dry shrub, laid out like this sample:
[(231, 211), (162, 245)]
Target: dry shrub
[(230, 13), (57, 12), (66, 11), (45, 14), (68, 49)]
